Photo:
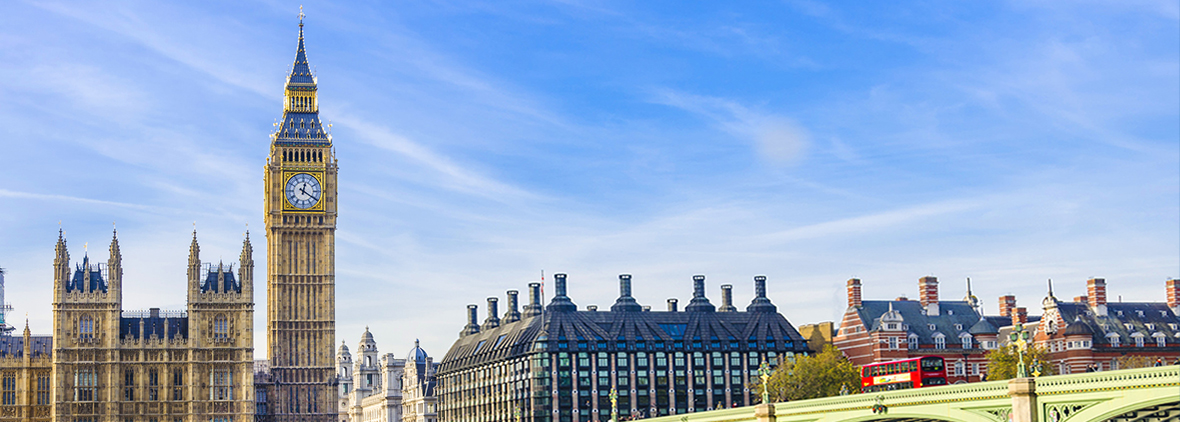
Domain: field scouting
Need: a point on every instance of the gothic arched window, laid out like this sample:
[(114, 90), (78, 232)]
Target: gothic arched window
[(86, 327), (220, 327)]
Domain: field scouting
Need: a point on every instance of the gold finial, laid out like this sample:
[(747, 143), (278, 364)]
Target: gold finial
[(301, 16)]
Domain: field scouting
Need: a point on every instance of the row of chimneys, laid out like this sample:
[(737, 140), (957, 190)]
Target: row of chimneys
[(625, 303), (1095, 297)]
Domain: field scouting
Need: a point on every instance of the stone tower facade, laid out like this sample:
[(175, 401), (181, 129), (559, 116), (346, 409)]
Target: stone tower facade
[(300, 207), (112, 365)]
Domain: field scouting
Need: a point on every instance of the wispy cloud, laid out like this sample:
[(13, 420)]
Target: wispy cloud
[(778, 139)]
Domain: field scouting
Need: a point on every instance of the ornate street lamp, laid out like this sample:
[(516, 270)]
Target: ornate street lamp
[(1020, 338), (764, 372), (614, 405)]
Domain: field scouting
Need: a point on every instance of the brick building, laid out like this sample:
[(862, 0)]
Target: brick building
[(884, 330), (1090, 333)]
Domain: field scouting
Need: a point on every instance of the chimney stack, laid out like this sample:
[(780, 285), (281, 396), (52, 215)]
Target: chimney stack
[(513, 314), (493, 320), (727, 299), (1080, 299), (625, 301), (928, 294), (472, 326), (534, 306), (699, 302), (761, 303), (672, 305), (1007, 304), (560, 301), (1096, 293), (1019, 315), (1173, 295), (854, 293)]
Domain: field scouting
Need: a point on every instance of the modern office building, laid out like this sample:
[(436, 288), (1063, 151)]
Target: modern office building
[(556, 363)]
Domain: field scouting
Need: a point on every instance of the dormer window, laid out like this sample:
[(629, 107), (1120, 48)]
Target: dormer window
[(1138, 339), (1172, 325), (1150, 327), (912, 341), (1140, 313), (1128, 325), (950, 311), (891, 326), (1161, 340), (939, 341), (1120, 313), (1113, 338), (907, 326), (930, 326), (965, 339), (958, 327)]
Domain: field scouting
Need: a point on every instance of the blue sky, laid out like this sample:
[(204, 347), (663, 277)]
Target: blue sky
[(483, 142)]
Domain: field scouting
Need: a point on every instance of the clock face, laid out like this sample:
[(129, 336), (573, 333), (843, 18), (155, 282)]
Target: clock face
[(303, 191)]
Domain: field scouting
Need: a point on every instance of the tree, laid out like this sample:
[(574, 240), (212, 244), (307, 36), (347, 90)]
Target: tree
[(1001, 362), (820, 375)]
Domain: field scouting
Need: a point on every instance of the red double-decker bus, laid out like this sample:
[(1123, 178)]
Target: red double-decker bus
[(916, 372)]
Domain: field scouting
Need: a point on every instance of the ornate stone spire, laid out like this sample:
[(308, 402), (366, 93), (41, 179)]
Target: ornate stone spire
[(301, 122)]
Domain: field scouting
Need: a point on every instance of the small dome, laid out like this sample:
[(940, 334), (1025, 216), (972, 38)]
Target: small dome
[(417, 354), (983, 327), (367, 338), (343, 348)]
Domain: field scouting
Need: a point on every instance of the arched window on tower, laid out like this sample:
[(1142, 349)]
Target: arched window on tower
[(220, 327), (86, 327)]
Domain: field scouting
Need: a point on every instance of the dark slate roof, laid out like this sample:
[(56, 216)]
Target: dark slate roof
[(983, 327), (578, 331), (1121, 314), (78, 283), (153, 326), (230, 283), (14, 346), (950, 313)]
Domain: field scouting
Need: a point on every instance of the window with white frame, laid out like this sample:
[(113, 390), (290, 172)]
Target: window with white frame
[(1138, 339), (965, 339), (960, 368), (892, 343), (912, 341), (1161, 340), (1113, 338), (939, 341)]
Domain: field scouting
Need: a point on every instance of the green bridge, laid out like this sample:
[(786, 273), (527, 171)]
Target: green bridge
[(1145, 394)]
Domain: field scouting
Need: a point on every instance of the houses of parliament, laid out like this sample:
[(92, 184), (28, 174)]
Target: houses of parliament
[(104, 363)]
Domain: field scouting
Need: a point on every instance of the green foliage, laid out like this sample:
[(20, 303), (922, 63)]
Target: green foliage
[(1001, 362), (809, 377)]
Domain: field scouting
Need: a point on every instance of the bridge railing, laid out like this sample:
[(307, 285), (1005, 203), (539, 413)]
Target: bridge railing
[(1096, 381)]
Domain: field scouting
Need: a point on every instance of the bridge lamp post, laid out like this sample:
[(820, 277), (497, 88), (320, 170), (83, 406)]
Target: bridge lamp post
[(764, 372), (614, 405), (1020, 338)]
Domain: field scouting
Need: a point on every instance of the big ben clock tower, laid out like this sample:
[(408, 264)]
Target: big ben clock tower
[(301, 243)]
